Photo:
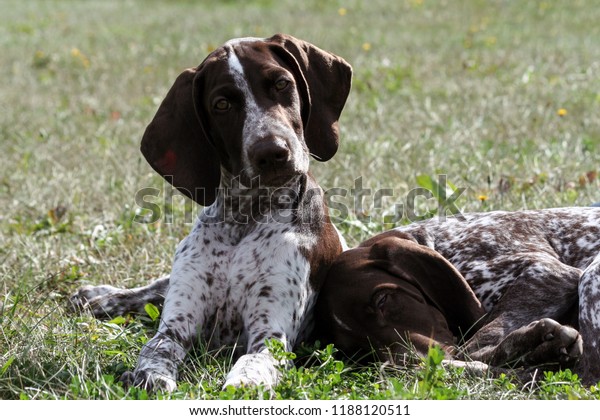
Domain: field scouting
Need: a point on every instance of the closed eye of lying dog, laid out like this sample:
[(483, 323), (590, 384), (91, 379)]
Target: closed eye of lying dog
[(406, 304), (376, 306), (503, 288), (405, 317)]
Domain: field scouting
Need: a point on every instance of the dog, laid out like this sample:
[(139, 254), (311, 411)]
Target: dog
[(235, 134), (500, 288)]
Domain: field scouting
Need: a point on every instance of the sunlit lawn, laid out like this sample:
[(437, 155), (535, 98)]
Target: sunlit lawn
[(501, 98)]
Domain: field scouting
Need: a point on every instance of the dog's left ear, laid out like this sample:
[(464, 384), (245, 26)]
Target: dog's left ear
[(327, 80), (438, 280)]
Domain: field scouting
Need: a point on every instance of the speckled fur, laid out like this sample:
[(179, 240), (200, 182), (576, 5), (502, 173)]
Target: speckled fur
[(524, 267), (509, 289), (492, 249), (253, 263), (233, 283)]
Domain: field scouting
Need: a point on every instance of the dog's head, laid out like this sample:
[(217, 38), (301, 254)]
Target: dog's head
[(256, 108), (391, 294)]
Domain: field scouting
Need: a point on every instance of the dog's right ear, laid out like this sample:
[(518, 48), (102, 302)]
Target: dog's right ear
[(177, 147)]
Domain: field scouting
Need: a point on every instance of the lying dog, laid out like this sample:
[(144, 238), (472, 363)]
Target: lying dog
[(235, 134), (522, 288)]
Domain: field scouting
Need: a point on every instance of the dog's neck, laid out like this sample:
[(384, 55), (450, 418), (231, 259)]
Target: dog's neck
[(242, 204)]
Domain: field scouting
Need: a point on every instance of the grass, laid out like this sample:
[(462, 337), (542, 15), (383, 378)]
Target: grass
[(503, 98)]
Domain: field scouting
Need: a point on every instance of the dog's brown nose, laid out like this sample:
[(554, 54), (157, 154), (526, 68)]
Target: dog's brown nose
[(269, 154)]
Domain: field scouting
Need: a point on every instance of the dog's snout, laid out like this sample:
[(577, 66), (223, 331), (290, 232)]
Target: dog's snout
[(270, 153)]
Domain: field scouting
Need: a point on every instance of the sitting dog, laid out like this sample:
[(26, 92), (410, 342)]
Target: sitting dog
[(235, 134), (522, 288)]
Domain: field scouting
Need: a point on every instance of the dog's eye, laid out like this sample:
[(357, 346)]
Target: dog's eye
[(281, 84), (222, 105), (380, 299)]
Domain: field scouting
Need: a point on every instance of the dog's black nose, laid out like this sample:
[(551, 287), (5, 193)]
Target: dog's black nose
[(269, 154)]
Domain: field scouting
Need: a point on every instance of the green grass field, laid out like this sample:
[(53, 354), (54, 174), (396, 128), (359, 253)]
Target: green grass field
[(500, 97)]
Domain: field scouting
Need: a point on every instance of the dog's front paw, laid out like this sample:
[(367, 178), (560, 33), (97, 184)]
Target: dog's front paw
[(253, 370), (101, 301), (150, 381), (559, 343)]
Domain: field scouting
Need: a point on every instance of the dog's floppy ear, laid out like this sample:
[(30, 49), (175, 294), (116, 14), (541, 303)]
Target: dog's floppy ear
[(328, 79), (387, 234), (177, 147), (430, 272)]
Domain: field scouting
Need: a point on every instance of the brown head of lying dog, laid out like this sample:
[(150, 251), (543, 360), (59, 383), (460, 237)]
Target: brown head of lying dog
[(390, 294)]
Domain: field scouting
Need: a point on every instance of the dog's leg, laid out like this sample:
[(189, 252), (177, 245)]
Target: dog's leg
[(274, 307), (519, 331), (589, 321), (183, 314), (107, 302)]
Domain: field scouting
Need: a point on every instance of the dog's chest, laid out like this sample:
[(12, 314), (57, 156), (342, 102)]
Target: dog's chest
[(246, 269)]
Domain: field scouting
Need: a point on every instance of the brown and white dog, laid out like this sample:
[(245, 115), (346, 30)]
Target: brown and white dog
[(512, 288), (235, 134)]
